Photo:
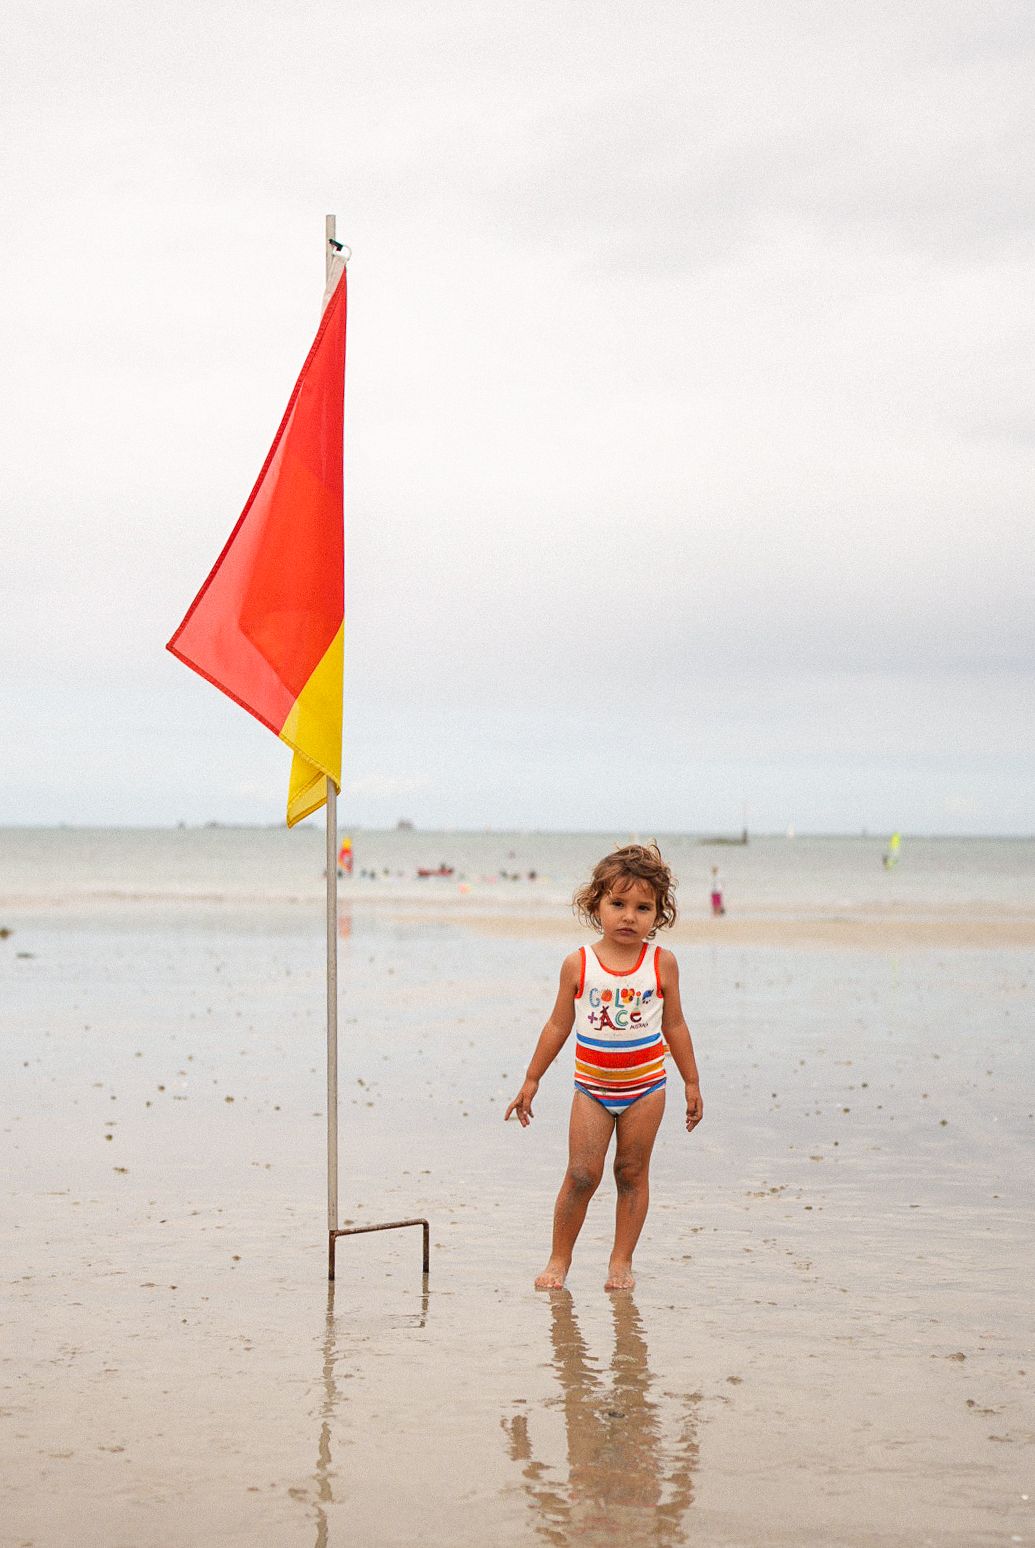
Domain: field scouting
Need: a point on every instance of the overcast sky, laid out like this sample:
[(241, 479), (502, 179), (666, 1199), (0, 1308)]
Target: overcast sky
[(689, 410)]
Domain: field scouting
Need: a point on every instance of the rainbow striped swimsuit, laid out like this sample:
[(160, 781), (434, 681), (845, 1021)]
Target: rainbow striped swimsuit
[(619, 1049)]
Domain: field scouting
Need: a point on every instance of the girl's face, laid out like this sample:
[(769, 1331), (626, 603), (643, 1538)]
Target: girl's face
[(628, 912)]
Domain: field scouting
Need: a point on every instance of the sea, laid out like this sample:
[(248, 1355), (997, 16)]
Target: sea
[(116, 870)]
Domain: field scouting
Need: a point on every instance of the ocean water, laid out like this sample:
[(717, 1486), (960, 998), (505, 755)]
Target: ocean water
[(57, 868)]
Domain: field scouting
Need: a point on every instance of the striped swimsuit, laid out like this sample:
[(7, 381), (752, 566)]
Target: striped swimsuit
[(619, 1049)]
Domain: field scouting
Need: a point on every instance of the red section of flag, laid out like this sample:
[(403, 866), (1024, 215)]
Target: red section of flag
[(274, 601)]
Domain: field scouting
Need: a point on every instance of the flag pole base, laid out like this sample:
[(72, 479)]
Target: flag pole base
[(389, 1225)]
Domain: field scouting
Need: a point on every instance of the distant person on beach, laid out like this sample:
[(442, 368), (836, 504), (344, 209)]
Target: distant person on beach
[(622, 996), (718, 906)]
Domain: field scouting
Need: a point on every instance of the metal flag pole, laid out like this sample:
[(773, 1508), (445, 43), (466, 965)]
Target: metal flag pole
[(332, 247), (332, 1011), (332, 933)]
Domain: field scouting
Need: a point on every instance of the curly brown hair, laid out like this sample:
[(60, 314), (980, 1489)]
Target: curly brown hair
[(635, 862)]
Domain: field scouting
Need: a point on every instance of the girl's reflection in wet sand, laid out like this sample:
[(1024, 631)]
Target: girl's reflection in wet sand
[(631, 1458)]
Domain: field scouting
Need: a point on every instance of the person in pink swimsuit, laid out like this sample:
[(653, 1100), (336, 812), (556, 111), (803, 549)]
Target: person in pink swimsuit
[(621, 994), (718, 906)]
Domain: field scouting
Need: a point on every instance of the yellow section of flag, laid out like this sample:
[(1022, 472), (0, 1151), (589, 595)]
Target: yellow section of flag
[(314, 724)]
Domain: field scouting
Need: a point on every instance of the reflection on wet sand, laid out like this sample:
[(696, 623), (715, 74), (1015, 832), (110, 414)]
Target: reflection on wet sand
[(630, 1457), (324, 1473)]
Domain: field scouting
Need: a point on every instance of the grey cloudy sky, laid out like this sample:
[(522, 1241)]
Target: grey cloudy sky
[(690, 429)]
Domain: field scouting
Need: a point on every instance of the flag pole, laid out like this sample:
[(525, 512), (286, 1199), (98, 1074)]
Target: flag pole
[(332, 941), (331, 248), (332, 1011)]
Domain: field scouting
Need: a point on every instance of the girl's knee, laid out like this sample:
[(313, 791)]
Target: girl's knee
[(630, 1172), (583, 1177)]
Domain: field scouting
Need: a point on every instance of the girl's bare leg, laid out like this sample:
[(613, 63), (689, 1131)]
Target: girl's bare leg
[(589, 1134), (637, 1130)]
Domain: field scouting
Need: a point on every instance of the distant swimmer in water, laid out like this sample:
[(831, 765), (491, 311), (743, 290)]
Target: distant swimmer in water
[(718, 906), (622, 996)]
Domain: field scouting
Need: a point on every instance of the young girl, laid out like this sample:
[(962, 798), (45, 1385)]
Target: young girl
[(622, 995)]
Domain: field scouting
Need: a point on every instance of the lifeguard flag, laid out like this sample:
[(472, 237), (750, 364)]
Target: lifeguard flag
[(267, 627)]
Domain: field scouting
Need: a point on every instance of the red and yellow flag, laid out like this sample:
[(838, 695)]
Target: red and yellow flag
[(267, 627)]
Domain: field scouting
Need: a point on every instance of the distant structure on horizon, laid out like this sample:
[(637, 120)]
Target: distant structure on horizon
[(723, 839)]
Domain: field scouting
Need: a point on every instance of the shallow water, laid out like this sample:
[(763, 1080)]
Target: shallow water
[(829, 1342)]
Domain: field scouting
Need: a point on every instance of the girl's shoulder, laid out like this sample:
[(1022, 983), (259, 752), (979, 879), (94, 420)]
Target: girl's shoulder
[(573, 966), (668, 967)]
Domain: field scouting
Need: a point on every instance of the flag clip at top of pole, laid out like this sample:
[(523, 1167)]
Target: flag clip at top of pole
[(267, 626)]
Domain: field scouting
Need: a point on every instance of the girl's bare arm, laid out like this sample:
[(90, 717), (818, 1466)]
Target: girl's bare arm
[(551, 1039), (677, 1036)]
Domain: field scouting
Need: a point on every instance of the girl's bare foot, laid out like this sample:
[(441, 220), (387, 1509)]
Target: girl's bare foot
[(620, 1277), (553, 1275)]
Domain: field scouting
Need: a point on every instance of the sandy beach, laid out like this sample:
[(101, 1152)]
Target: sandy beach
[(830, 1341)]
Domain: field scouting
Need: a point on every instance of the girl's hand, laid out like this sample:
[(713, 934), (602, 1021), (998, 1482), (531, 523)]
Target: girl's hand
[(522, 1104), (694, 1107)]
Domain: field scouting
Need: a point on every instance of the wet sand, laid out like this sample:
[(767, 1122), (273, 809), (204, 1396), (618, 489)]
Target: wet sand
[(856, 929), (831, 1337)]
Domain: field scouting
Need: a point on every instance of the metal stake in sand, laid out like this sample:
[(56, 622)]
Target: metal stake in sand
[(332, 1010), (333, 1231), (331, 248)]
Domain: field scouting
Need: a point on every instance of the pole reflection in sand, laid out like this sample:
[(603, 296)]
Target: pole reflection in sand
[(324, 1475), (630, 1457)]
